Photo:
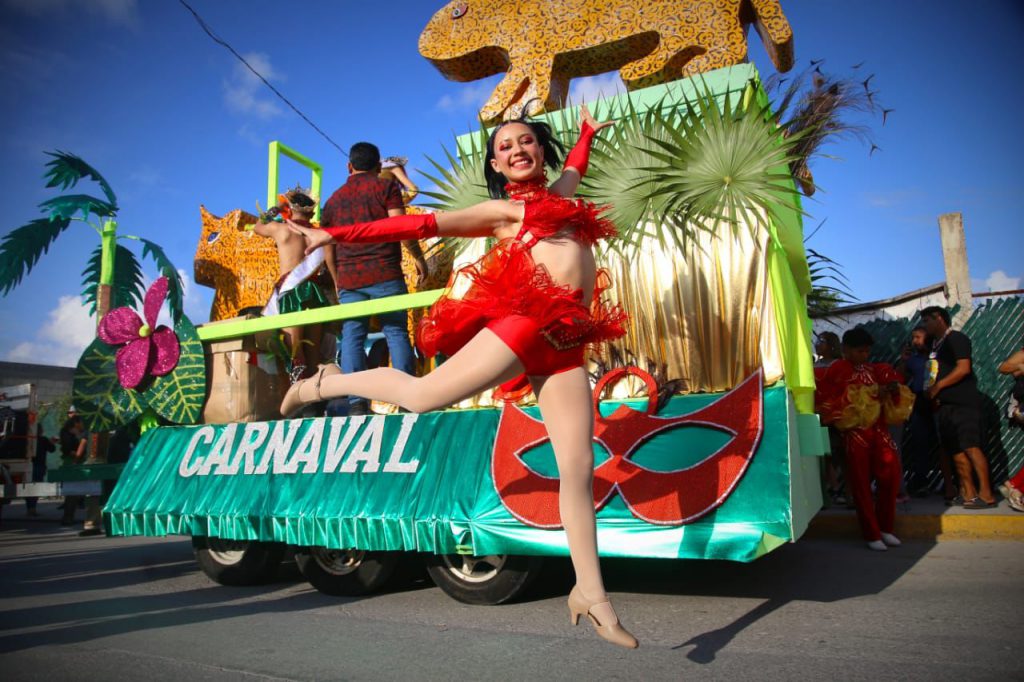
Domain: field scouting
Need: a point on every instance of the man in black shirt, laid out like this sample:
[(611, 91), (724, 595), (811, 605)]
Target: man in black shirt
[(953, 387)]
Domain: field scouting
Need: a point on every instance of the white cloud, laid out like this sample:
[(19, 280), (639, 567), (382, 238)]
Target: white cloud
[(61, 340), (1000, 281), (467, 97), (118, 12), (243, 91), (583, 90)]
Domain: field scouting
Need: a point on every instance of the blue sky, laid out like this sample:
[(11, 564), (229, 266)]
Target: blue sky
[(172, 121)]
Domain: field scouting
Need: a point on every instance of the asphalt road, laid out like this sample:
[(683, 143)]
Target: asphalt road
[(138, 609)]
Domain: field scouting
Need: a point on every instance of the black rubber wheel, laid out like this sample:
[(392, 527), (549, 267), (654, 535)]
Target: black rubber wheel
[(346, 572), (238, 562), (484, 580)]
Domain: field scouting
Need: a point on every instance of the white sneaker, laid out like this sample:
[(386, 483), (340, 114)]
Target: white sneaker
[(891, 540), (877, 545)]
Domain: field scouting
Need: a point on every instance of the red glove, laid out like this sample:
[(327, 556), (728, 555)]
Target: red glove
[(395, 229), (579, 156)]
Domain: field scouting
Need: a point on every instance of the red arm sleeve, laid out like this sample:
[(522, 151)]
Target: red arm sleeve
[(396, 229), (579, 156)]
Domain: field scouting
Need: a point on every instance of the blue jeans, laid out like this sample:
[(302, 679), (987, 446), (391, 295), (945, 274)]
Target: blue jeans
[(352, 345)]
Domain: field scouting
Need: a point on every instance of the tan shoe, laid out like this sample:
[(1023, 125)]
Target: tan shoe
[(610, 632), (294, 399)]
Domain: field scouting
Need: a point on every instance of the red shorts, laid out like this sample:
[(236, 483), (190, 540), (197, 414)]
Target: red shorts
[(538, 354)]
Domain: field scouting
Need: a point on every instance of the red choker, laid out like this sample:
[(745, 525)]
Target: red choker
[(525, 191)]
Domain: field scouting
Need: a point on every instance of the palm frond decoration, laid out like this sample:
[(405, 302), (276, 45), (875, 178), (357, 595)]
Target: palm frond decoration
[(723, 161), (824, 296), (23, 247), (67, 169), (69, 205), (621, 174), (175, 289), (825, 109), (460, 182), (127, 288)]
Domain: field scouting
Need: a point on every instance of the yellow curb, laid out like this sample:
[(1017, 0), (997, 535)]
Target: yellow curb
[(936, 527)]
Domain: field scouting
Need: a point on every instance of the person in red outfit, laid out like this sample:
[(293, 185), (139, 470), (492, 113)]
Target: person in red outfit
[(525, 312), (859, 398)]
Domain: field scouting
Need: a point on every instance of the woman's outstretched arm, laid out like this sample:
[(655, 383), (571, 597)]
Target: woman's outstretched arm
[(482, 220), (578, 158)]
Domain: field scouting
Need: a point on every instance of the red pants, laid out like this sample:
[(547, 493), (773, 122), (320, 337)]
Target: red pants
[(871, 454)]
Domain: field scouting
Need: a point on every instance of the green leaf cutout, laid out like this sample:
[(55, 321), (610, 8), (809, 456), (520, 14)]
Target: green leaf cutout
[(22, 248), (178, 396), (175, 287), (69, 205), (127, 289), (99, 397), (67, 169)]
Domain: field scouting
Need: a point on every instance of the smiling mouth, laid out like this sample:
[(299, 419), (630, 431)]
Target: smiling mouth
[(521, 163)]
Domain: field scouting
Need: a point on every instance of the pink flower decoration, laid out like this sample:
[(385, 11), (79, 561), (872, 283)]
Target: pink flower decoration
[(145, 350)]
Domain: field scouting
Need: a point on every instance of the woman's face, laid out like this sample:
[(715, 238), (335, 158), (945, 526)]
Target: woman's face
[(517, 153)]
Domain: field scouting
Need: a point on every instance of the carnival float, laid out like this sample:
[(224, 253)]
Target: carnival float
[(706, 445)]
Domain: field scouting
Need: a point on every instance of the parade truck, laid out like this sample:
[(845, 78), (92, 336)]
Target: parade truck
[(705, 442)]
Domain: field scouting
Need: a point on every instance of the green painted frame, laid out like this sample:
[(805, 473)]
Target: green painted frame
[(278, 148)]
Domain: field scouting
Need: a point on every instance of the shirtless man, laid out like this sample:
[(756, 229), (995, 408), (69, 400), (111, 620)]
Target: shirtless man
[(296, 289)]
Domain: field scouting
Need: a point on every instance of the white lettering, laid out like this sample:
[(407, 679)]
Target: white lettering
[(395, 464), (334, 451), (221, 452), (186, 468), (367, 448), (252, 437), (308, 451), (278, 445)]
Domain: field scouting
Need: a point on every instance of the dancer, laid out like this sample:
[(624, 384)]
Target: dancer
[(531, 306)]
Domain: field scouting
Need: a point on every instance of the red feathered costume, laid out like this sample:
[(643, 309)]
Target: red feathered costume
[(850, 398), (546, 324)]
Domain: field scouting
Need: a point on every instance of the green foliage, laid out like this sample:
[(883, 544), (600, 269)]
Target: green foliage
[(723, 161), (22, 248), (99, 397), (823, 296), (69, 205), (67, 169), (460, 182), (166, 268), (179, 395), (127, 289)]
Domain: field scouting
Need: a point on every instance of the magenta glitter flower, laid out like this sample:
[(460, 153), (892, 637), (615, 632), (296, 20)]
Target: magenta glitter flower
[(146, 350)]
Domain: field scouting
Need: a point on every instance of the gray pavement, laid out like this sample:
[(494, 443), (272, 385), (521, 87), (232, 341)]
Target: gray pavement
[(138, 609)]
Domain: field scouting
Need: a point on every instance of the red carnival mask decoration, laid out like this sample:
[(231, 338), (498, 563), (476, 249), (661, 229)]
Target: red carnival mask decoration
[(660, 497)]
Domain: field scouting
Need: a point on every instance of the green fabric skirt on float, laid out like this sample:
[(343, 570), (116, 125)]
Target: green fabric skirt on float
[(306, 296)]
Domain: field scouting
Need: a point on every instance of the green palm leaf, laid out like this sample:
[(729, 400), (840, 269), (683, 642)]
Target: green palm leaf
[(460, 182), (178, 396), (175, 287), (69, 205), (67, 169), (127, 288), (22, 248), (99, 397), (719, 161)]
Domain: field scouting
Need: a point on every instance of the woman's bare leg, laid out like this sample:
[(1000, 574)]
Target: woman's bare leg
[(482, 363), (566, 404)]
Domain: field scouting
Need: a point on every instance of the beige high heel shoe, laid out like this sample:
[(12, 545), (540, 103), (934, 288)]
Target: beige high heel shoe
[(293, 400), (610, 632)]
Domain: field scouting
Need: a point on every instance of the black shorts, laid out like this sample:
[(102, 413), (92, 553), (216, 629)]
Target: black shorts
[(959, 428)]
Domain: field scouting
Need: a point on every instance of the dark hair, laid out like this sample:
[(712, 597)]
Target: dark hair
[(919, 328), (937, 310), (831, 339), (364, 156), (553, 151), (858, 337), (70, 422)]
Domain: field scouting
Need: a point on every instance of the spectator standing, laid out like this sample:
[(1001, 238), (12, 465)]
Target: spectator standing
[(72, 451), (953, 390), (44, 446), (923, 438), (364, 272), (1013, 489), (828, 350)]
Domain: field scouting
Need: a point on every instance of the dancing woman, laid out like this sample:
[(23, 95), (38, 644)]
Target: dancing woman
[(532, 305)]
